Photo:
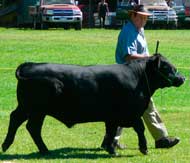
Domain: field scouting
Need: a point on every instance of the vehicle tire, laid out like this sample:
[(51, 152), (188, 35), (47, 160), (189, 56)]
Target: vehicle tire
[(78, 26)]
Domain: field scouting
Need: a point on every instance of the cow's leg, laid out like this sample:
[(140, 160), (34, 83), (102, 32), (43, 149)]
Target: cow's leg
[(111, 131), (17, 117), (139, 128), (34, 126), (117, 137)]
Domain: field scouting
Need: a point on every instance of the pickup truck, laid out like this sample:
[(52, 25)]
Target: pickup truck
[(162, 14), (56, 13)]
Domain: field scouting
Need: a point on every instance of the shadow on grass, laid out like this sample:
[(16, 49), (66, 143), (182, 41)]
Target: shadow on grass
[(63, 153)]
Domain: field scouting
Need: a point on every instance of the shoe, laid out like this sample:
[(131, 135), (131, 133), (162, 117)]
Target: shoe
[(166, 142)]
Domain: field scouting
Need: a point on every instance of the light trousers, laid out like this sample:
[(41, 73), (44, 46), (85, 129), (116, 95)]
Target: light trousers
[(153, 122)]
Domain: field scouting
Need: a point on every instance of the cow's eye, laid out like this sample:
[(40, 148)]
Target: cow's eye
[(165, 69)]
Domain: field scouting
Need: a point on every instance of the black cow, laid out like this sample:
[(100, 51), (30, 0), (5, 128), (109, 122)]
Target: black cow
[(115, 94)]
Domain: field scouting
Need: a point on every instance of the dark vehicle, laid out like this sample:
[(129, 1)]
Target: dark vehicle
[(122, 10), (178, 6)]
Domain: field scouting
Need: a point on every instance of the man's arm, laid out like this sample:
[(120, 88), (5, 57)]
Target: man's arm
[(135, 56)]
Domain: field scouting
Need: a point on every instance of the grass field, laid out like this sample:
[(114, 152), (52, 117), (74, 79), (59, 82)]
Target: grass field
[(91, 46)]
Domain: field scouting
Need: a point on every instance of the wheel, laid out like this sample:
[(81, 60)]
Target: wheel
[(78, 26)]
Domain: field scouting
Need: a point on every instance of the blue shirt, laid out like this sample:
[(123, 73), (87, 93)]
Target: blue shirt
[(130, 41)]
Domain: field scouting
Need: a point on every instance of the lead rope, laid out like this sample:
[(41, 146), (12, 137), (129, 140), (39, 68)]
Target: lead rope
[(147, 82)]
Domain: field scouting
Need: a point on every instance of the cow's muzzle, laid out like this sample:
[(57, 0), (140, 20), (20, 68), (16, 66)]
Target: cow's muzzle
[(173, 79), (178, 80)]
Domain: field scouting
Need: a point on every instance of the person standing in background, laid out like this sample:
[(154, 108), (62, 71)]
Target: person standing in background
[(103, 10)]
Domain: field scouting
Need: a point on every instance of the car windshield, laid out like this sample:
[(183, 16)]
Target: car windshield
[(49, 2), (154, 2)]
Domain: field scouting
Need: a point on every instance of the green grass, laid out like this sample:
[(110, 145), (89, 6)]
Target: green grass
[(91, 46)]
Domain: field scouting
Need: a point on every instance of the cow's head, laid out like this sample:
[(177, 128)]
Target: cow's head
[(166, 73)]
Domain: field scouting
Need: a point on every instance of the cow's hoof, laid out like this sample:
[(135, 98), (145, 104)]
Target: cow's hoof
[(144, 151), (45, 153), (111, 151), (4, 147)]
